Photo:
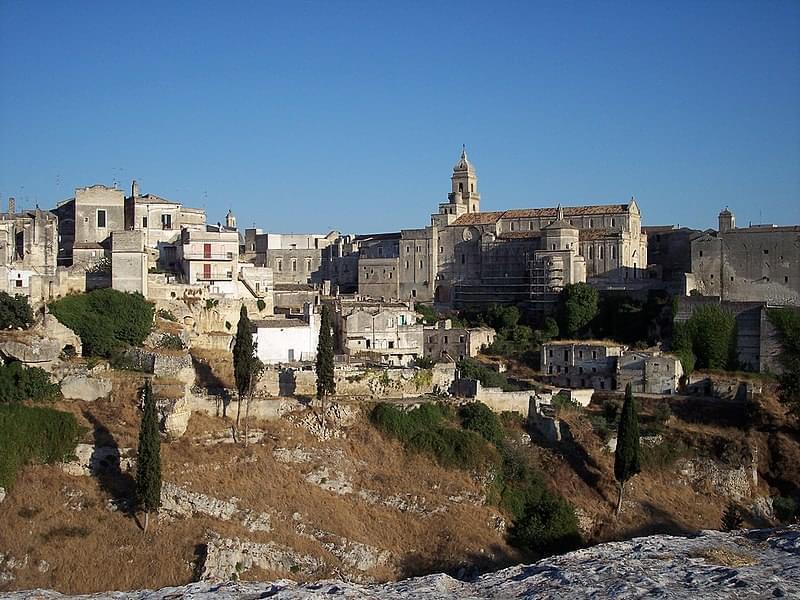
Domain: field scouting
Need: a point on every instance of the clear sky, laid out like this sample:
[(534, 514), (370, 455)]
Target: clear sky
[(310, 116)]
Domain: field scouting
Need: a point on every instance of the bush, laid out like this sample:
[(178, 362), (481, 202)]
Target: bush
[(106, 320), (787, 323), (171, 342), (15, 312), (786, 509), (427, 314), (472, 369), (34, 434), (165, 314), (478, 417), (546, 526), (18, 383), (261, 304)]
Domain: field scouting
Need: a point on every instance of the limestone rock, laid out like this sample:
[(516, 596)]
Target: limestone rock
[(2, 494), (184, 503), (91, 460), (41, 345), (742, 564), (227, 558), (85, 387)]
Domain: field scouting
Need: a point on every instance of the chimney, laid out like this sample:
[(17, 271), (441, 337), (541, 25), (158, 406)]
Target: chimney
[(12, 205), (135, 189)]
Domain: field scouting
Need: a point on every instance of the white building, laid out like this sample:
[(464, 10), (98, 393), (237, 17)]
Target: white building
[(210, 257), (281, 340)]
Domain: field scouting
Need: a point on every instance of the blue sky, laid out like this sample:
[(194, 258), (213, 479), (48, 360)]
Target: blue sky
[(310, 116)]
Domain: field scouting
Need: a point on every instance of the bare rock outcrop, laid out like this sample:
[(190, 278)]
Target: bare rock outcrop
[(41, 345)]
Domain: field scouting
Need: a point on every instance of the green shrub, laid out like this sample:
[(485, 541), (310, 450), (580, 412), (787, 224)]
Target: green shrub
[(427, 313), (478, 417), (165, 314), (261, 304), (578, 305), (34, 434), (15, 311), (171, 342), (472, 369), (786, 321), (785, 508), (106, 320), (18, 383), (545, 526)]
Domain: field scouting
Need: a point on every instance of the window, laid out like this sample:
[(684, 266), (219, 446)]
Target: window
[(591, 223), (550, 369), (441, 248), (279, 264), (408, 249), (461, 339), (463, 259), (308, 264), (101, 217), (785, 279), (612, 222), (594, 354), (701, 254), (613, 252), (591, 252), (144, 222), (18, 283), (391, 344), (766, 251), (512, 226), (550, 353), (420, 264), (566, 354), (580, 354), (406, 264), (445, 339), (294, 265), (380, 250), (600, 255), (414, 293), (166, 221)]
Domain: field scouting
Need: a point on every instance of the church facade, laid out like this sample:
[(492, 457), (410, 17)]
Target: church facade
[(468, 257)]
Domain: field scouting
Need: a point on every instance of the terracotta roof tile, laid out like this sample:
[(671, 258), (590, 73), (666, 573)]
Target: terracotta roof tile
[(596, 234), (520, 235), (487, 218)]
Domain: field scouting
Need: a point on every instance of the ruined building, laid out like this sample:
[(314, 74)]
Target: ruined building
[(29, 249)]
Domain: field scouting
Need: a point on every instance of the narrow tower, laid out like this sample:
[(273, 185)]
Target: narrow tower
[(230, 220), (465, 185)]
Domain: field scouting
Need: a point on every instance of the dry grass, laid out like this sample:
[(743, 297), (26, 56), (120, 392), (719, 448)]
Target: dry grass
[(725, 557)]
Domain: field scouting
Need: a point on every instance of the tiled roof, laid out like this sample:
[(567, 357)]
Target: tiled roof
[(479, 218), (153, 199), (520, 235), (596, 234), (278, 323), (527, 213)]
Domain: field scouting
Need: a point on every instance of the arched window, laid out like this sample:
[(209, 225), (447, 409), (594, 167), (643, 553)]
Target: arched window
[(460, 187), (472, 187)]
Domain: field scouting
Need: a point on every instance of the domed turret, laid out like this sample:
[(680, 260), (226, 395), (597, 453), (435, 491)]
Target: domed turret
[(465, 184)]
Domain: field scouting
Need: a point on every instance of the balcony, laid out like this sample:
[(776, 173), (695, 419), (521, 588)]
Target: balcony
[(228, 276), (209, 255)]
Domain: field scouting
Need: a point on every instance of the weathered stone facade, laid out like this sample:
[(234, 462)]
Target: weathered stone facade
[(445, 341), (588, 363), (467, 257), (28, 253), (750, 264)]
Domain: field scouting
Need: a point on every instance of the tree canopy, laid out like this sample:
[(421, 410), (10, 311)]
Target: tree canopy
[(148, 458), (578, 306)]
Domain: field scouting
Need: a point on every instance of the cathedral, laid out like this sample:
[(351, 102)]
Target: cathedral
[(468, 257)]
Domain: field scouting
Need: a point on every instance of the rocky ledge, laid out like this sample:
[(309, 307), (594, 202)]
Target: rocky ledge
[(712, 564)]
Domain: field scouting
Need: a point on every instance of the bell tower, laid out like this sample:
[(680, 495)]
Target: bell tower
[(465, 185)]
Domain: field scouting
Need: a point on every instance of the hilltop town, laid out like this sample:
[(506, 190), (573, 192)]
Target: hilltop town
[(540, 316)]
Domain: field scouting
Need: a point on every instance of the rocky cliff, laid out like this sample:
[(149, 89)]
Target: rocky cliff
[(744, 564)]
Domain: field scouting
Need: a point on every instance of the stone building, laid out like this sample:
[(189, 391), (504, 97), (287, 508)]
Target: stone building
[(210, 257), (85, 223), (469, 257), (129, 262), (283, 339), (586, 363), (384, 331), (28, 252), (161, 221), (443, 341), (293, 258), (759, 263), (649, 372)]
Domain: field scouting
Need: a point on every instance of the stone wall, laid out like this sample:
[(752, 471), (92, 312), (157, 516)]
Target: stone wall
[(359, 380)]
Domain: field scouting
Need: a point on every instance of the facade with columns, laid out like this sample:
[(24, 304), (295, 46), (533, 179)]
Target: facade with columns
[(471, 257)]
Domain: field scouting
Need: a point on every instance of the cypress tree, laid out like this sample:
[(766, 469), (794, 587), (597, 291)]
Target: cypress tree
[(244, 360), (326, 384), (626, 457), (148, 461)]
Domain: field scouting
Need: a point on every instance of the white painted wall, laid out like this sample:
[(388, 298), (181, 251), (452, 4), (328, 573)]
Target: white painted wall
[(274, 343)]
